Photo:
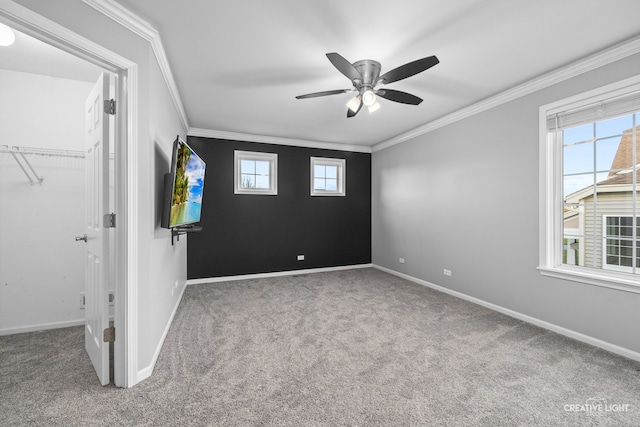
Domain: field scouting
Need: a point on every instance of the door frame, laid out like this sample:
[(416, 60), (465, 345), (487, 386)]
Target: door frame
[(126, 181)]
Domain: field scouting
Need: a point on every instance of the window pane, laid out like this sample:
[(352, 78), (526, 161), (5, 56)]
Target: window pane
[(606, 150), (262, 168), (574, 183), (248, 181), (604, 181), (332, 184), (248, 166), (319, 171), (332, 172), (626, 251), (319, 184), (571, 251), (578, 158), (262, 181), (578, 134), (614, 126)]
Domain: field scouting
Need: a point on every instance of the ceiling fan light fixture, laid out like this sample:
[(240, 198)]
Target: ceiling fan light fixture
[(368, 98), (374, 107), (354, 103), (7, 36)]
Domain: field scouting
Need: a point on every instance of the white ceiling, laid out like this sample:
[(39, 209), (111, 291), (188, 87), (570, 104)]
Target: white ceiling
[(238, 65)]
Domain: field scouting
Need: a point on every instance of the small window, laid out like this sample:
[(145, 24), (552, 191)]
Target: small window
[(255, 173), (327, 177)]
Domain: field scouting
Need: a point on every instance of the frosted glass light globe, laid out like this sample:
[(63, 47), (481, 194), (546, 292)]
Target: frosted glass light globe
[(368, 98)]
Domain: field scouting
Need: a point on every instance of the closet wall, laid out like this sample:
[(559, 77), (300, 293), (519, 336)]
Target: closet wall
[(41, 265)]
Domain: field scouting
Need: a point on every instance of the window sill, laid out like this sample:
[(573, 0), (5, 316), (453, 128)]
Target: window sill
[(327, 194), (257, 192), (612, 280)]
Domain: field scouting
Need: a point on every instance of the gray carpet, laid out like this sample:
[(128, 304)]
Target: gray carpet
[(354, 347)]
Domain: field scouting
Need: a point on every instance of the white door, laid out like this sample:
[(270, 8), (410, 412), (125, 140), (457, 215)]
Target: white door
[(97, 242)]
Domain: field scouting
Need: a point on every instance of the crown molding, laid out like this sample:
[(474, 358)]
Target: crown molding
[(142, 28), (605, 57), (236, 136)]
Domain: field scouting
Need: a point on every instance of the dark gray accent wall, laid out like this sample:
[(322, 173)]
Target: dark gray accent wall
[(249, 234)]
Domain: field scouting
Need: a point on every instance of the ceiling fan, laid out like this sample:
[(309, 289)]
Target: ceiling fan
[(365, 77)]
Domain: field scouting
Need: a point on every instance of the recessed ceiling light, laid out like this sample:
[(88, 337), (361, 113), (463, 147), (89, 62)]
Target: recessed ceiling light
[(7, 36)]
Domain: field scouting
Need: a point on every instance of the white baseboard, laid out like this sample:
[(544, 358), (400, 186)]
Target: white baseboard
[(41, 327), (276, 274), (613, 348), (146, 372)]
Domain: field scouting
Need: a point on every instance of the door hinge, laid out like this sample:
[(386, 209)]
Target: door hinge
[(109, 334), (109, 220), (110, 106)]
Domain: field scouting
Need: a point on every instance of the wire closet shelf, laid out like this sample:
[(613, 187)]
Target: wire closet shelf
[(19, 154)]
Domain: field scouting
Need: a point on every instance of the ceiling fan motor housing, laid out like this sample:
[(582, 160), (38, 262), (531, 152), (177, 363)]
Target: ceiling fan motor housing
[(370, 71)]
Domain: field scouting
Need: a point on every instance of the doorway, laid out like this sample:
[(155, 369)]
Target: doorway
[(25, 21)]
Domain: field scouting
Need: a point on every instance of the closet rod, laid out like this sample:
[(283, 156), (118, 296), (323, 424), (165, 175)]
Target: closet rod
[(54, 152)]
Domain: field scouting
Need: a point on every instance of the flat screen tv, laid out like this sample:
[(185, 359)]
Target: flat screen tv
[(183, 187)]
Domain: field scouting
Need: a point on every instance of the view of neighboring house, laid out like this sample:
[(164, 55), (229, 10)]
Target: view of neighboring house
[(598, 220)]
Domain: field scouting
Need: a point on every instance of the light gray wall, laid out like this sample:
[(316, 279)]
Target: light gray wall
[(465, 197), (159, 264)]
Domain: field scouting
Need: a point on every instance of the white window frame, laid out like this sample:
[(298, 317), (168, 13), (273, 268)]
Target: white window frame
[(341, 187), (272, 158), (550, 196)]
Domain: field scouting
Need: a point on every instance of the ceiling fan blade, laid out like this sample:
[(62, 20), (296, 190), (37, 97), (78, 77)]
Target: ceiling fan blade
[(344, 66), (398, 96), (325, 93), (351, 113), (408, 70)]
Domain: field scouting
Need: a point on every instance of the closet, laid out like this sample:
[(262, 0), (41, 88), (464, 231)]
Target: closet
[(42, 187)]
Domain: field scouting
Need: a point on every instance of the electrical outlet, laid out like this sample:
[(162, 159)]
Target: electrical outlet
[(83, 301), (300, 257), (112, 297), (447, 272), (401, 260)]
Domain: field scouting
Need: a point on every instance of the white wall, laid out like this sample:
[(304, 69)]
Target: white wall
[(41, 265), (159, 265), (465, 197)]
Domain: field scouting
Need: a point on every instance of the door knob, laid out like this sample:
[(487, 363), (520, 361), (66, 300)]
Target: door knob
[(78, 238)]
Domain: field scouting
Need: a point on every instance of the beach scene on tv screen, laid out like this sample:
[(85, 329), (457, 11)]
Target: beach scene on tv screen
[(186, 204)]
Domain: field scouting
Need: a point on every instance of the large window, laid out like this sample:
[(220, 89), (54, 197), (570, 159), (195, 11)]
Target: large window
[(255, 173), (590, 171)]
